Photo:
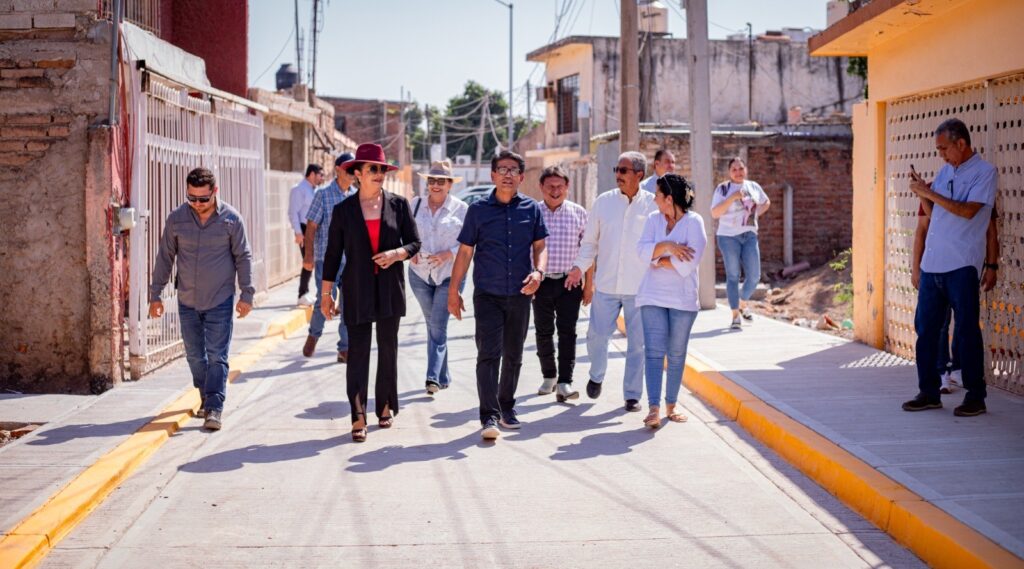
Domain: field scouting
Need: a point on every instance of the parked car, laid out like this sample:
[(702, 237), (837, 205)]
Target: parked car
[(474, 193)]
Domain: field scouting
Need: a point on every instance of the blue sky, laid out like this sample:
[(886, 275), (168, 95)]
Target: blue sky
[(374, 48)]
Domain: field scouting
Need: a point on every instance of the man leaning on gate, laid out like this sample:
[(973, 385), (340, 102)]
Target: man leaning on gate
[(959, 202)]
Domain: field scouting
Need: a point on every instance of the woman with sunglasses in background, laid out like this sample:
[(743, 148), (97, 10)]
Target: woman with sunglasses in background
[(375, 230), (671, 245), (439, 218), (737, 204)]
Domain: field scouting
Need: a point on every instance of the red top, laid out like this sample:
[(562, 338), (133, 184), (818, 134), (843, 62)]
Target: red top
[(373, 228)]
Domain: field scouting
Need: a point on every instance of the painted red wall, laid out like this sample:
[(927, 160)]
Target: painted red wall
[(215, 30)]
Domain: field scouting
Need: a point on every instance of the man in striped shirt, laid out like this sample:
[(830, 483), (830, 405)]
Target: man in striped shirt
[(556, 306)]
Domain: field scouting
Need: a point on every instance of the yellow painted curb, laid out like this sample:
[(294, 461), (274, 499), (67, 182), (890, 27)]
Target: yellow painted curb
[(32, 538), (938, 538)]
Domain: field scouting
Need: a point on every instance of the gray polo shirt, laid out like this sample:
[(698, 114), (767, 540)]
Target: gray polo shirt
[(208, 258)]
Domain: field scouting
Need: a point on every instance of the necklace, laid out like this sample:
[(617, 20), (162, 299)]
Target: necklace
[(375, 199)]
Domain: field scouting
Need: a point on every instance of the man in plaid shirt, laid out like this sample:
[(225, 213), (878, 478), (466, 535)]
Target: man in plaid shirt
[(318, 221), (556, 306)]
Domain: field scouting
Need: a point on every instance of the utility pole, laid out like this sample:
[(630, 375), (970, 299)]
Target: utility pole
[(511, 124), (444, 137), (750, 73), (317, 22), (426, 141), (480, 140), (629, 124), (529, 111), (401, 126), (701, 150), (298, 43)]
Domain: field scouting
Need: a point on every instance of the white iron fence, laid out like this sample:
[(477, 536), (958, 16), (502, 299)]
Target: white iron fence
[(994, 111), (283, 259), (176, 131)]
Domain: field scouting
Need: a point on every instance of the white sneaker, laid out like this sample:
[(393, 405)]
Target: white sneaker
[(565, 392), (306, 300), (747, 314), (548, 387), (947, 384), (490, 431), (737, 323), (955, 378)]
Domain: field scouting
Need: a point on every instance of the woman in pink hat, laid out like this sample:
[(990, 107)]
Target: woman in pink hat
[(375, 231)]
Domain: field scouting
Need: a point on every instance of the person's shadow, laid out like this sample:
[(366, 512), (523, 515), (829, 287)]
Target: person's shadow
[(381, 459), (603, 444), (261, 454), (331, 410), (571, 420)]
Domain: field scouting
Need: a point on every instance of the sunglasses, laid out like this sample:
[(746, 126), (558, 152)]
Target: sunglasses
[(200, 199), (377, 169), (622, 170), (437, 181), (506, 171)]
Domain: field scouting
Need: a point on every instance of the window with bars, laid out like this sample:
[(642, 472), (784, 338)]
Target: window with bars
[(567, 95)]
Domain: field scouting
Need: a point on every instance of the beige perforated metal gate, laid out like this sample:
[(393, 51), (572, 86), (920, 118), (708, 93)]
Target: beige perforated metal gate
[(994, 111)]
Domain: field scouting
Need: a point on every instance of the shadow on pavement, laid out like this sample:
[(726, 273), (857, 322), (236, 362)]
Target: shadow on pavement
[(381, 459), (262, 454)]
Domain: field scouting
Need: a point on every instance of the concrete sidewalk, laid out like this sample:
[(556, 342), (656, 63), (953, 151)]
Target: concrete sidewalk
[(851, 394), (78, 429)]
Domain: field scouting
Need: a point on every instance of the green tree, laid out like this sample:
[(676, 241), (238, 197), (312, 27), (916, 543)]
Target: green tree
[(462, 120)]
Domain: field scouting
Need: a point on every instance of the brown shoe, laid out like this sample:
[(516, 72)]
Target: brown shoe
[(307, 350), (343, 356)]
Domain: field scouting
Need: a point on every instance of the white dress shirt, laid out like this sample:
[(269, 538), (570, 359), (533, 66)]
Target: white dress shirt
[(677, 287), (298, 204), (439, 232), (613, 229)]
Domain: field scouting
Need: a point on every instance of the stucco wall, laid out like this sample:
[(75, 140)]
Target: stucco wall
[(58, 260), (784, 76)]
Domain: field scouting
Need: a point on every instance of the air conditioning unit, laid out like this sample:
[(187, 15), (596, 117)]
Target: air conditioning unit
[(546, 93), (463, 160)]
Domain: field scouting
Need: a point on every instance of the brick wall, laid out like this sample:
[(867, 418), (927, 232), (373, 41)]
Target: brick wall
[(58, 258), (371, 121), (818, 168)]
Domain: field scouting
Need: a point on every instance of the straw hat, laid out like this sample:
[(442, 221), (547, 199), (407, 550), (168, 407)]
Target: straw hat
[(442, 169)]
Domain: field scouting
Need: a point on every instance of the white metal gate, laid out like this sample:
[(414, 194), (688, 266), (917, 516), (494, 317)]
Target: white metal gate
[(176, 131), (994, 112)]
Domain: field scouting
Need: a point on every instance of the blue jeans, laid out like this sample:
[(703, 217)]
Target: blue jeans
[(207, 338), (740, 251), (604, 312), (939, 292), (317, 320), (433, 299), (948, 357), (666, 334)]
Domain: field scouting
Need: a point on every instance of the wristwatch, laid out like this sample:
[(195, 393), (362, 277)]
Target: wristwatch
[(993, 266), (541, 273)]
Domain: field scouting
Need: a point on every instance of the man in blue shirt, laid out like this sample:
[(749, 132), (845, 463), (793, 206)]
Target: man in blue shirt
[(959, 203), (298, 205), (506, 233), (318, 221)]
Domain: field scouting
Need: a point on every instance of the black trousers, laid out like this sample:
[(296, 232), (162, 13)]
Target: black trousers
[(555, 308), (304, 276), (501, 326), (358, 373)]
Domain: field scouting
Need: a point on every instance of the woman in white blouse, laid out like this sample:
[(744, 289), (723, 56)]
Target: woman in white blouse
[(672, 243), (439, 220), (737, 204)]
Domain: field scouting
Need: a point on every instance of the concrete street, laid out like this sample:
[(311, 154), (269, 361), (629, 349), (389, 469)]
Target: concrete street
[(581, 485)]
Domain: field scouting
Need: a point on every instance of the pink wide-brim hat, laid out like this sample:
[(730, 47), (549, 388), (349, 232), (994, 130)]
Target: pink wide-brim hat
[(369, 154)]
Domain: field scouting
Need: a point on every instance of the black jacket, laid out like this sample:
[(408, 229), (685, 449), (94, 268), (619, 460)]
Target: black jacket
[(370, 296)]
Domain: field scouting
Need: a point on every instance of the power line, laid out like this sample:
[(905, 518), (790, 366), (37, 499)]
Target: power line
[(277, 57)]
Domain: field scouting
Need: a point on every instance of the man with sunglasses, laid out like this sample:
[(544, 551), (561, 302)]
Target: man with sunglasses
[(959, 205), (299, 201), (318, 222), (505, 233), (205, 239), (614, 227)]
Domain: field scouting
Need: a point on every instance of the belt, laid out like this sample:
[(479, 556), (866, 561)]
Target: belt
[(555, 276)]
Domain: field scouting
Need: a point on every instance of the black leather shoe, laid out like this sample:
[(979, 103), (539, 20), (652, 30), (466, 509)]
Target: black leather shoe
[(593, 389), (970, 409), (921, 403), (632, 405)]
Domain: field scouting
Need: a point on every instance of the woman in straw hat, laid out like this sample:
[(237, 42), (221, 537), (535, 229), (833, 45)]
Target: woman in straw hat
[(375, 231), (439, 219)]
